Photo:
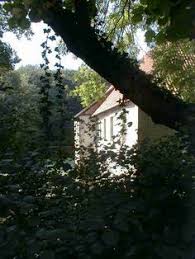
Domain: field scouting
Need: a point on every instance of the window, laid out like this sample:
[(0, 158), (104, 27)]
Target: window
[(99, 130), (111, 128), (104, 129), (123, 129)]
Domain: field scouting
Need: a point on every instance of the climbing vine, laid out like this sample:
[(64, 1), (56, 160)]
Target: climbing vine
[(45, 87)]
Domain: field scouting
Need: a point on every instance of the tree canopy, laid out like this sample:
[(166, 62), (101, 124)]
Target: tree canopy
[(174, 67), (91, 29), (97, 31), (21, 118), (91, 87), (117, 19), (8, 57)]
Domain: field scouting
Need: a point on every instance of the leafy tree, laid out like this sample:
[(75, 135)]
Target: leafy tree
[(174, 67), (87, 37), (19, 113), (8, 58), (91, 87), (82, 26), (21, 121)]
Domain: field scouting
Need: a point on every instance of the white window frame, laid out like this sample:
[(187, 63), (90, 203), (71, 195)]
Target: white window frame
[(99, 130), (105, 135), (111, 127)]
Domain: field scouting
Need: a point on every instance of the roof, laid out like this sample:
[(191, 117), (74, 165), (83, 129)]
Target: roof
[(112, 100), (113, 97), (94, 106)]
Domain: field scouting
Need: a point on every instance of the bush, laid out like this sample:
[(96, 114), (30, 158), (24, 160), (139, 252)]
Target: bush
[(87, 212)]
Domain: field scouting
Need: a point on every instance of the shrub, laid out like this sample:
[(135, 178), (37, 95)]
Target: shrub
[(87, 212)]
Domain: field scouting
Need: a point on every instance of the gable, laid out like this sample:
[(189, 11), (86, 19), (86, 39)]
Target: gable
[(112, 100), (94, 106), (113, 97)]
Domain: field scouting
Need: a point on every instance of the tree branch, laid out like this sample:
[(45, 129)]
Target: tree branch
[(162, 106)]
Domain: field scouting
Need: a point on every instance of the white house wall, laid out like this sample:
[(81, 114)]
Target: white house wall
[(148, 130), (84, 132), (132, 130), (131, 135), (84, 137), (139, 127)]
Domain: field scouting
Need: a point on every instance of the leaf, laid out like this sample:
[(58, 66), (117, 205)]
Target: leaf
[(51, 234), (150, 35), (97, 248), (49, 254), (34, 16), (110, 238), (137, 14), (52, 38)]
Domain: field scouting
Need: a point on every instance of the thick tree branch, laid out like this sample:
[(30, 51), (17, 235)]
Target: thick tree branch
[(117, 69)]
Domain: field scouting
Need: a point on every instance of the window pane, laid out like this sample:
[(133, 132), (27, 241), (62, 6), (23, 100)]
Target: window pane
[(104, 129), (111, 128), (99, 130)]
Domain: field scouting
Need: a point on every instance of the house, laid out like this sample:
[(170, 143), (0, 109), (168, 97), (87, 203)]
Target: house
[(113, 119)]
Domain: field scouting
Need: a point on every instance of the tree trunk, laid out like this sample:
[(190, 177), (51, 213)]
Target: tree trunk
[(116, 68)]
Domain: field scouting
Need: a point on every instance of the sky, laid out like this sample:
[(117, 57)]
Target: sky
[(29, 51)]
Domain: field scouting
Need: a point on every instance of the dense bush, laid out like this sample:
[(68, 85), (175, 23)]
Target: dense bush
[(53, 211)]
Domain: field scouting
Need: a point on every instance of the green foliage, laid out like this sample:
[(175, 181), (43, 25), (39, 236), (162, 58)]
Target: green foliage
[(21, 123), (19, 112), (8, 58), (174, 67), (114, 20), (48, 210), (91, 87), (119, 28), (87, 213), (164, 19)]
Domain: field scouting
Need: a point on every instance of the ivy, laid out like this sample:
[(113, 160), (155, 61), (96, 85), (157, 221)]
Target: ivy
[(45, 88)]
